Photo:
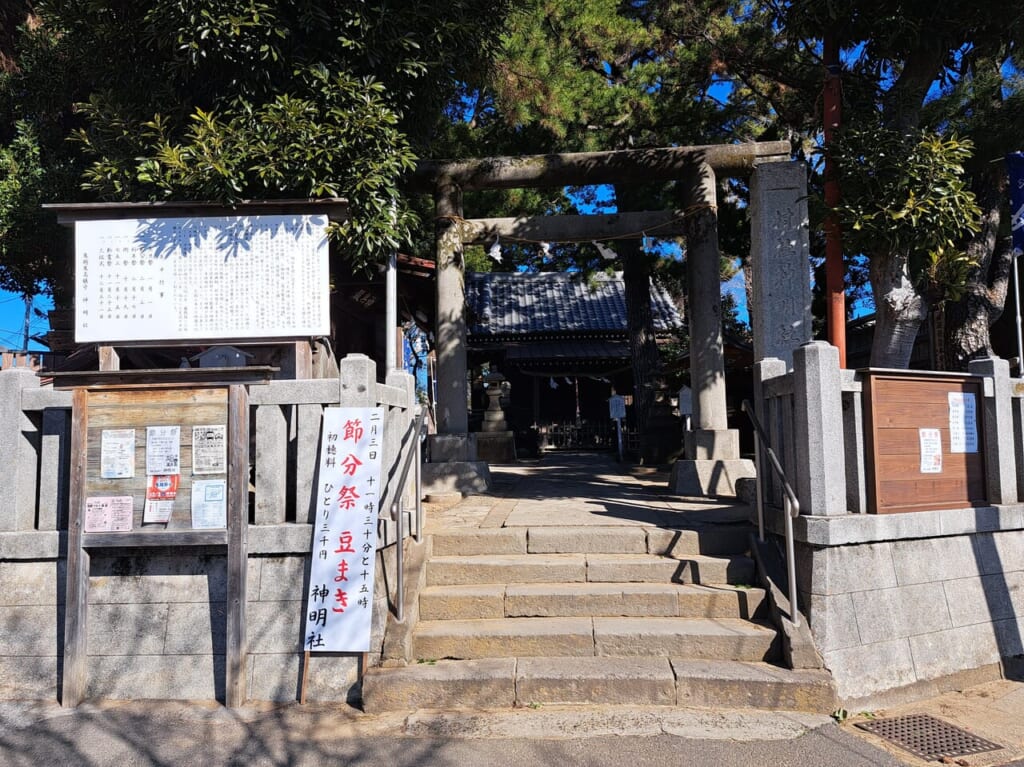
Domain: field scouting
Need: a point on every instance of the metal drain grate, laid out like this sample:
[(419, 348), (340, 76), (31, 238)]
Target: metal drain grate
[(928, 737)]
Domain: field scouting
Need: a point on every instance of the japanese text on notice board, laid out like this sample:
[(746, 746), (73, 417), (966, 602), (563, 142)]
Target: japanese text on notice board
[(340, 598)]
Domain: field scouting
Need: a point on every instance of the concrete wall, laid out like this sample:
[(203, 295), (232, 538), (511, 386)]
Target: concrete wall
[(157, 618)]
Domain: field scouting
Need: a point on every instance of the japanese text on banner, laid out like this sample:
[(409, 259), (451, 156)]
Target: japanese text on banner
[(342, 568)]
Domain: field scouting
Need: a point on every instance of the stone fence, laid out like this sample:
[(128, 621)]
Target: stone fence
[(157, 616), (900, 604)]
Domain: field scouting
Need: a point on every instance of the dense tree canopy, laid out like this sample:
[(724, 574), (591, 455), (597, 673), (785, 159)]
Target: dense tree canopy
[(292, 98), (231, 99)]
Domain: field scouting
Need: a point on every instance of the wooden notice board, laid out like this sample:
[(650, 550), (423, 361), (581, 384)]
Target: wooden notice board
[(208, 413), (925, 441)]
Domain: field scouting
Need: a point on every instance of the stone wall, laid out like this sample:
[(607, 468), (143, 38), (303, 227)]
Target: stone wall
[(900, 605), (898, 618), (156, 626), (157, 618)]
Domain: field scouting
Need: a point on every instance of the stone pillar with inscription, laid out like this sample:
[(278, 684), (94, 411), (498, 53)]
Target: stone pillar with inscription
[(780, 305), (712, 461)]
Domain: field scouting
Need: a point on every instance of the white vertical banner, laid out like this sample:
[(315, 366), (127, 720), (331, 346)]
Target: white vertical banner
[(339, 603)]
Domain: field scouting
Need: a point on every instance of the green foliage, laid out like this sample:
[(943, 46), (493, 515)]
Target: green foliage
[(227, 100), (21, 186), (905, 196)]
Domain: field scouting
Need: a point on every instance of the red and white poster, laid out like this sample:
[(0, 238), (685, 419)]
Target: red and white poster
[(339, 603)]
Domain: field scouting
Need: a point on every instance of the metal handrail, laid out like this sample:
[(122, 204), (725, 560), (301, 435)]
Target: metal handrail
[(791, 504), (398, 515)]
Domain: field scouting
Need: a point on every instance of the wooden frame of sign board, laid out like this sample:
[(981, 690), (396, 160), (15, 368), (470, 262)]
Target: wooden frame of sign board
[(299, 359), (196, 399), (897, 405)]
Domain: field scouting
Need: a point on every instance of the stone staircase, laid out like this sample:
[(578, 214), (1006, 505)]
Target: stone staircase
[(628, 614)]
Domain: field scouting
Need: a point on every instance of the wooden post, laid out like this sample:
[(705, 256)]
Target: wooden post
[(76, 600), (109, 358), (238, 524)]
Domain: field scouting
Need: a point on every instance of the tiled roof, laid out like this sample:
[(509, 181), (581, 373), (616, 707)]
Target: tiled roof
[(559, 351), (500, 303)]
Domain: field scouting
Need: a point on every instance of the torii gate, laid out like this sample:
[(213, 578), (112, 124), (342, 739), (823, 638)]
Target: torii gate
[(781, 299)]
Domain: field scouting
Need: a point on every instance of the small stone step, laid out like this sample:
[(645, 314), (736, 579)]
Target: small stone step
[(651, 568), (503, 638), (527, 600), (694, 638), (595, 681), (506, 568), (505, 682), (721, 601), (498, 540), (587, 540), (589, 599), (732, 684), (722, 540), (485, 683), (447, 603)]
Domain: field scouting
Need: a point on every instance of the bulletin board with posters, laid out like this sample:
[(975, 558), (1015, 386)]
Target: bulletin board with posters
[(925, 441), (157, 465)]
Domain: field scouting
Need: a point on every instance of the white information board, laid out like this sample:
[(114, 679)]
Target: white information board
[(203, 278), (339, 603)]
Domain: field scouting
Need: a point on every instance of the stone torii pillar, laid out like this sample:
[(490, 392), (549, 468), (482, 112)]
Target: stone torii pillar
[(712, 461), (453, 466)]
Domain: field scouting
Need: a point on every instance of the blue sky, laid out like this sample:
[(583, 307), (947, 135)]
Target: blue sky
[(12, 320)]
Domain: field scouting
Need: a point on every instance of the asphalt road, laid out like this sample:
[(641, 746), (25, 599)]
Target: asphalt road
[(142, 733)]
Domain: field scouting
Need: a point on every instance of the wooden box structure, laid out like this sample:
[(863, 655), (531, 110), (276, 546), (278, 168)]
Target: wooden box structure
[(924, 441), (125, 406)]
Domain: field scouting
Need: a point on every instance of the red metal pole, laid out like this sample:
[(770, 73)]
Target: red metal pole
[(834, 272)]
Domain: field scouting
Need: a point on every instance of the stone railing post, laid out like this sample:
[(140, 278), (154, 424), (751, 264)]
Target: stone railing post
[(358, 381), (19, 438), (1000, 461), (818, 430)]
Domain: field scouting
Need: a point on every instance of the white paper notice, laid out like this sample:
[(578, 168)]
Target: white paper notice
[(157, 512), (931, 451), (108, 514), (339, 604), (209, 449), (163, 450), (963, 422), (117, 454), (209, 503)]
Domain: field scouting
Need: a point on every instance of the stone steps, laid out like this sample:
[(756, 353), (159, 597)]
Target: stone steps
[(724, 539), (530, 681), (593, 614), (693, 638), (592, 567), (523, 600)]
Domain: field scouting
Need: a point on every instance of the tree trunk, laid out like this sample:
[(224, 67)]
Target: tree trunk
[(969, 319), (899, 311)]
